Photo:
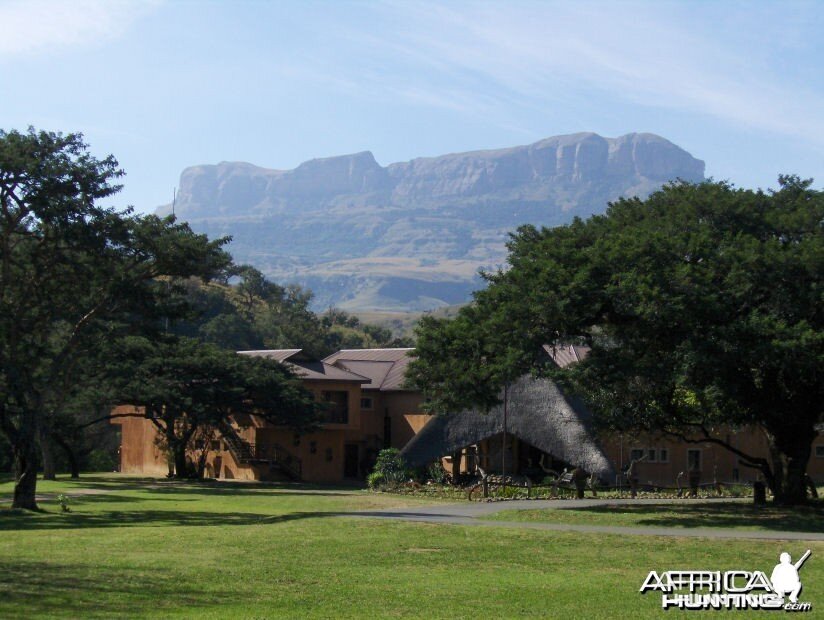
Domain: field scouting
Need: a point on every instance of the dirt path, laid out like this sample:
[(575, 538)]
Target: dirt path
[(472, 513)]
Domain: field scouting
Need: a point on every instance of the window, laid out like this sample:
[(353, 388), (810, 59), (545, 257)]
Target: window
[(636, 454), (366, 403), (663, 455), (337, 410), (651, 455), (296, 440), (313, 447), (819, 452), (693, 460), (215, 445)]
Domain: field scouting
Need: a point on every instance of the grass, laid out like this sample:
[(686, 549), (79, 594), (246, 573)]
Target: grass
[(720, 514), (147, 548)]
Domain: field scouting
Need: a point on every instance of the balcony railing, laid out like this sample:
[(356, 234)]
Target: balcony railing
[(273, 454), (336, 416)]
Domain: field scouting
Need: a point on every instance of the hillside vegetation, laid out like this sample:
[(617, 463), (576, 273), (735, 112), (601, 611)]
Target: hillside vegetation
[(412, 236)]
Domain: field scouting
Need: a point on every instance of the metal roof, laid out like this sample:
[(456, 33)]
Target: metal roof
[(369, 355), (386, 368), (307, 368)]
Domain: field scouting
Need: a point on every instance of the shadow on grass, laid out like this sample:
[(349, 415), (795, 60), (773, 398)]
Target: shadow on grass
[(808, 518), (49, 499), (41, 589), (19, 520), (249, 489), (201, 487), (90, 510)]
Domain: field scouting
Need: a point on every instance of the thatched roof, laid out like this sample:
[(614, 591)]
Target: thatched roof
[(537, 413)]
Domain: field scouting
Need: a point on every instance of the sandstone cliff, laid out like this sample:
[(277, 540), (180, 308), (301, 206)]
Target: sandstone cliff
[(412, 235)]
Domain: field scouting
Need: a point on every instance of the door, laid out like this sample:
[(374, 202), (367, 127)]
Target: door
[(350, 460)]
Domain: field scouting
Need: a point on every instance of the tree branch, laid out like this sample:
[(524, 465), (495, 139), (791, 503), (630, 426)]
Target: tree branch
[(706, 437), (112, 416)]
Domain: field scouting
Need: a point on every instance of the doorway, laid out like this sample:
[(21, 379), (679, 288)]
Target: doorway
[(350, 461)]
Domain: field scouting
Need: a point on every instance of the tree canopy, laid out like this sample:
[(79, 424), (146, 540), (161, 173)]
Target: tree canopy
[(186, 387), (246, 311), (82, 285), (71, 271), (702, 305)]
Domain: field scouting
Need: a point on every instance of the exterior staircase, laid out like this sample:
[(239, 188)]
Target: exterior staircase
[(274, 455)]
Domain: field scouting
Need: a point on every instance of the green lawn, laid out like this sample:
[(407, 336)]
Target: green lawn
[(686, 515), (145, 548)]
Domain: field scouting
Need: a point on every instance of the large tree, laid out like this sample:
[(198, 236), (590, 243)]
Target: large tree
[(186, 387), (703, 306), (71, 271)]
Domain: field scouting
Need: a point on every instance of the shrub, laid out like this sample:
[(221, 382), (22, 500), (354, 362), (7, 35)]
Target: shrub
[(437, 473), (375, 480), (391, 466), (101, 460), (64, 501)]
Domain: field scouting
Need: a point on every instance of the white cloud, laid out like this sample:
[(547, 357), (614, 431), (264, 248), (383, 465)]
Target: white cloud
[(28, 26), (686, 57)]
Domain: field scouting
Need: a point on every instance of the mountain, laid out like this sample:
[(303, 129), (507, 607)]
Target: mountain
[(412, 235)]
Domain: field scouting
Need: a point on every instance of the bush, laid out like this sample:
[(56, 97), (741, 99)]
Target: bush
[(437, 473), (101, 460), (64, 502), (391, 466), (375, 480)]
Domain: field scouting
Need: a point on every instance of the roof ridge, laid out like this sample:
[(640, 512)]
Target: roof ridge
[(266, 350), (379, 349), (351, 372)]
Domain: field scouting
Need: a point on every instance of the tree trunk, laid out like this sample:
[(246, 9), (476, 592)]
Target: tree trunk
[(201, 463), (47, 450), (25, 486), (790, 455), (181, 464), (171, 446), (73, 466)]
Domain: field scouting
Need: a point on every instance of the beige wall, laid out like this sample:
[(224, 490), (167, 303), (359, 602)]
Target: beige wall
[(139, 451), (716, 461), (404, 410), (320, 453), (354, 395)]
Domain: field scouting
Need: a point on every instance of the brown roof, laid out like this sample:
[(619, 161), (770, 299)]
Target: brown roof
[(385, 368), (279, 355), (565, 354), (307, 368)]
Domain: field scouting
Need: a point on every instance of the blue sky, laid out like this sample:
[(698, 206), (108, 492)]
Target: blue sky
[(165, 85)]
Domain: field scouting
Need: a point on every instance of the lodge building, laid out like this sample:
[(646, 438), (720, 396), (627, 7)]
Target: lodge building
[(369, 408)]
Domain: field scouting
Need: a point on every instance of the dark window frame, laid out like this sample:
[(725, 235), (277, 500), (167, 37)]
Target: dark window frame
[(338, 413)]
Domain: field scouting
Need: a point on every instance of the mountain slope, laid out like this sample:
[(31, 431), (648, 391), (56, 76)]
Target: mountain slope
[(412, 235)]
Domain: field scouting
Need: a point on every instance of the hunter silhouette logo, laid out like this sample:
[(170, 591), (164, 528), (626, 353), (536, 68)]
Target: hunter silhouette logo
[(785, 578), (735, 589)]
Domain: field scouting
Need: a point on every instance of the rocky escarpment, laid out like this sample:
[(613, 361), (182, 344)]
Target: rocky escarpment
[(412, 235)]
